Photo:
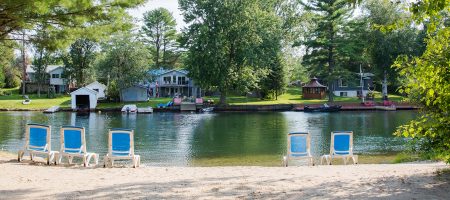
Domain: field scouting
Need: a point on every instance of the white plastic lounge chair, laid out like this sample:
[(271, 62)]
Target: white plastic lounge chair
[(299, 147), (37, 142), (73, 144), (121, 147), (341, 147)]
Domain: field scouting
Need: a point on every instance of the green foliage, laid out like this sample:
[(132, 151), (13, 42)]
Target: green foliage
[(386, 46), (7, 73), (160, 33), (228, 39), (64, 20), (428, 81), (78, 62), (126, 61)]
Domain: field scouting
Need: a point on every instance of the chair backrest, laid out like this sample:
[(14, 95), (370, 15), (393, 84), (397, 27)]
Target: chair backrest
[(73, 139), (121, 142), (299, 144), (341, 143), (37, 137)]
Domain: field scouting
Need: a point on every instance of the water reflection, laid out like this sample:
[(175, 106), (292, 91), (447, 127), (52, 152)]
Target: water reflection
[(180, 139)]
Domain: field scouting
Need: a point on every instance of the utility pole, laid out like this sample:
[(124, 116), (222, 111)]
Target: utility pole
[(24, 63)]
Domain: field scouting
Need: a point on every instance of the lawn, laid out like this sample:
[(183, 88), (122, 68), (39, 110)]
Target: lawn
[(291, 96)]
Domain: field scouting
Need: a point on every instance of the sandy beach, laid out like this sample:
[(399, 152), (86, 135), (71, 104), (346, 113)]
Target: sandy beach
[(29, 180)]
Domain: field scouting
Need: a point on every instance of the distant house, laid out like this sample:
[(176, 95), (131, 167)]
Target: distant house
[(84, 98), (54, 79), (171, 83), (134, 93), (354, 86), (99, 88)]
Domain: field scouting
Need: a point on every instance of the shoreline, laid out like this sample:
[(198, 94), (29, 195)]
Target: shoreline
[(26, 180), (248, 108)]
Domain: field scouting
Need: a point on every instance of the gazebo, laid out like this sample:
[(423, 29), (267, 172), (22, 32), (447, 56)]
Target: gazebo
[(314, 90)]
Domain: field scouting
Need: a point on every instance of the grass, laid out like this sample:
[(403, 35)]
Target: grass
[(14, 100), (291, 96)]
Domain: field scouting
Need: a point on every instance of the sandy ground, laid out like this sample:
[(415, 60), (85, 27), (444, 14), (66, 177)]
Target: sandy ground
[(29, 180)]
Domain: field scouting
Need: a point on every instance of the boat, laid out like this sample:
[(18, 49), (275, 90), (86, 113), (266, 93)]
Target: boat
[(334, 108), (208, 109), (131, 108), (26, 101)]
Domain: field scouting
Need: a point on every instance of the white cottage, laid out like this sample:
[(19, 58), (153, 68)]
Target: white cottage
[(99, 88), (84, 98)]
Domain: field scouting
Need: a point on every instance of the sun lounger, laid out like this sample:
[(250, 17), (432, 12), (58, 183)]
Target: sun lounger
[(299, 147), (37, 142), (341, 147), (73, 144), (121, 147)]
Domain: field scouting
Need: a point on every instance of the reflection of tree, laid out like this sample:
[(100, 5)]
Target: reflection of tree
[(240, 134)]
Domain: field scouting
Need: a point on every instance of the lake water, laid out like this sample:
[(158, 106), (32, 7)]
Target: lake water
[(192, 139)]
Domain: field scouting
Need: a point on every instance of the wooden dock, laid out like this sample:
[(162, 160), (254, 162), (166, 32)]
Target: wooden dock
[(52, 109), (145, 110)]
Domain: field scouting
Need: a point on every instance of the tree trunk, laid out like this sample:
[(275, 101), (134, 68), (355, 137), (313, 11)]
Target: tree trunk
[(223, 98), (330, 64), (39, 89), (24, 64), (384, 85)]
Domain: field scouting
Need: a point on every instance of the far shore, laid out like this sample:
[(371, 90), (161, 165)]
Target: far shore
[(346, 106), (27, 180)]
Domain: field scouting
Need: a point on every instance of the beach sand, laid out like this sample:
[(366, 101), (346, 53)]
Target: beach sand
[(29, 180)]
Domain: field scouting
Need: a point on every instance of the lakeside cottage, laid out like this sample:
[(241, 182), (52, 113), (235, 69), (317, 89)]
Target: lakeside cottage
[(352, 87), (53, 79), (99, 88), (172, 83), (84, 98)]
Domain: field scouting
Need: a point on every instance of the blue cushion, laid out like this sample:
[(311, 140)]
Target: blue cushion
[(298, 145), (38, 136), (342, 143), (120, 141), (72, 139)]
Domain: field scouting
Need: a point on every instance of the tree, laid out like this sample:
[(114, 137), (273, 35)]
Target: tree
[(6, 59), (324, 39), (231, 44), (160, 33), (125, 62), (64, 21), (78, 62), (428, 80), (386, 46), (40, 63)]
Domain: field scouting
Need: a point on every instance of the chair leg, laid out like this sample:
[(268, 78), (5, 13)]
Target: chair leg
[(355, 159), (70, 158), (31, 157), (285, 161), (312, 161), (105, 161), (86, 164), (20, 156), (96, 158)]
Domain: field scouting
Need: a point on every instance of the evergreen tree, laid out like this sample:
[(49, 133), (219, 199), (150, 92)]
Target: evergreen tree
[(325, 39), (160, 34)]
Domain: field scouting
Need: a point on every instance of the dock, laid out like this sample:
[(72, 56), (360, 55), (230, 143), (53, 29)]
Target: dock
[(145, 110), (131, 108), (188, 106), (52, 109)]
